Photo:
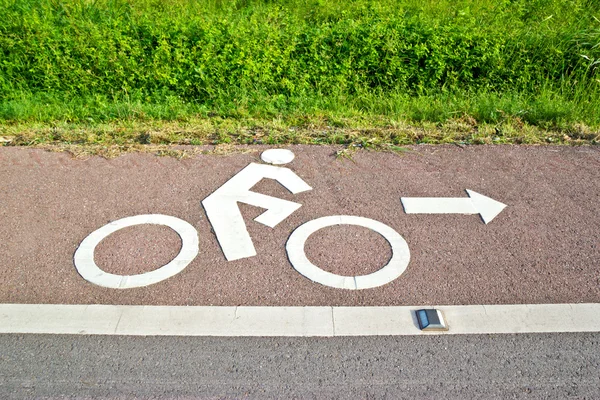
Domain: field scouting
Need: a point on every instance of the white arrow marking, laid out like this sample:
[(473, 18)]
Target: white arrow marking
[(474, 204)]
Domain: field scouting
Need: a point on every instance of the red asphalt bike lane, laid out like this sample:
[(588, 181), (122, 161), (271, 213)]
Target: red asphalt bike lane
[(544, 247)]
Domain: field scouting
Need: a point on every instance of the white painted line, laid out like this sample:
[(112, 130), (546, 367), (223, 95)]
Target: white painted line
[(292, 321), (392, 270), (474, 204), (87, 268), (471, 319)]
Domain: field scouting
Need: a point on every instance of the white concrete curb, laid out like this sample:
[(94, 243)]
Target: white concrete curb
[(291, 321)]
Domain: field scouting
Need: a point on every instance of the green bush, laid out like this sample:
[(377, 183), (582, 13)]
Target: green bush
[(225, 55)]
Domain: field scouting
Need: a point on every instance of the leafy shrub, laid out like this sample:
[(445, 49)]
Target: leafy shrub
[(215, 52)]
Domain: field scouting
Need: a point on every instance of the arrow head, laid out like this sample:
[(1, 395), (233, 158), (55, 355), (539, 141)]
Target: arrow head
[(486, 207)]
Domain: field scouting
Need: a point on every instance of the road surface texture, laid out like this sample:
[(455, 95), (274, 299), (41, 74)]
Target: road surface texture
[(532, 366), (544, 247)]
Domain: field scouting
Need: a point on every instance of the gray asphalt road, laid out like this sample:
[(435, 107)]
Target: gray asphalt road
[(548, 366)]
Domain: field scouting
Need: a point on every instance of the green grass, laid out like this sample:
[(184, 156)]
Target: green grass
[(527, 67)]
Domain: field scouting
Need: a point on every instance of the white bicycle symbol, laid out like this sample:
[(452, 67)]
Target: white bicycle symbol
[(226, 219)]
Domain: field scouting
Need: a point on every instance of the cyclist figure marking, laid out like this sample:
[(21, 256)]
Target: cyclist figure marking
[(228, 224), (225, 216)]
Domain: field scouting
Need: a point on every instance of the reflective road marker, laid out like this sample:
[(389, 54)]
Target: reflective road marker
[(474, 204), (292, 321)]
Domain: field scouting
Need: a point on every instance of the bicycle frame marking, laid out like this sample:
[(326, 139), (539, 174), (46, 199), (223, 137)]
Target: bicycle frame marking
[(225, 216)]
